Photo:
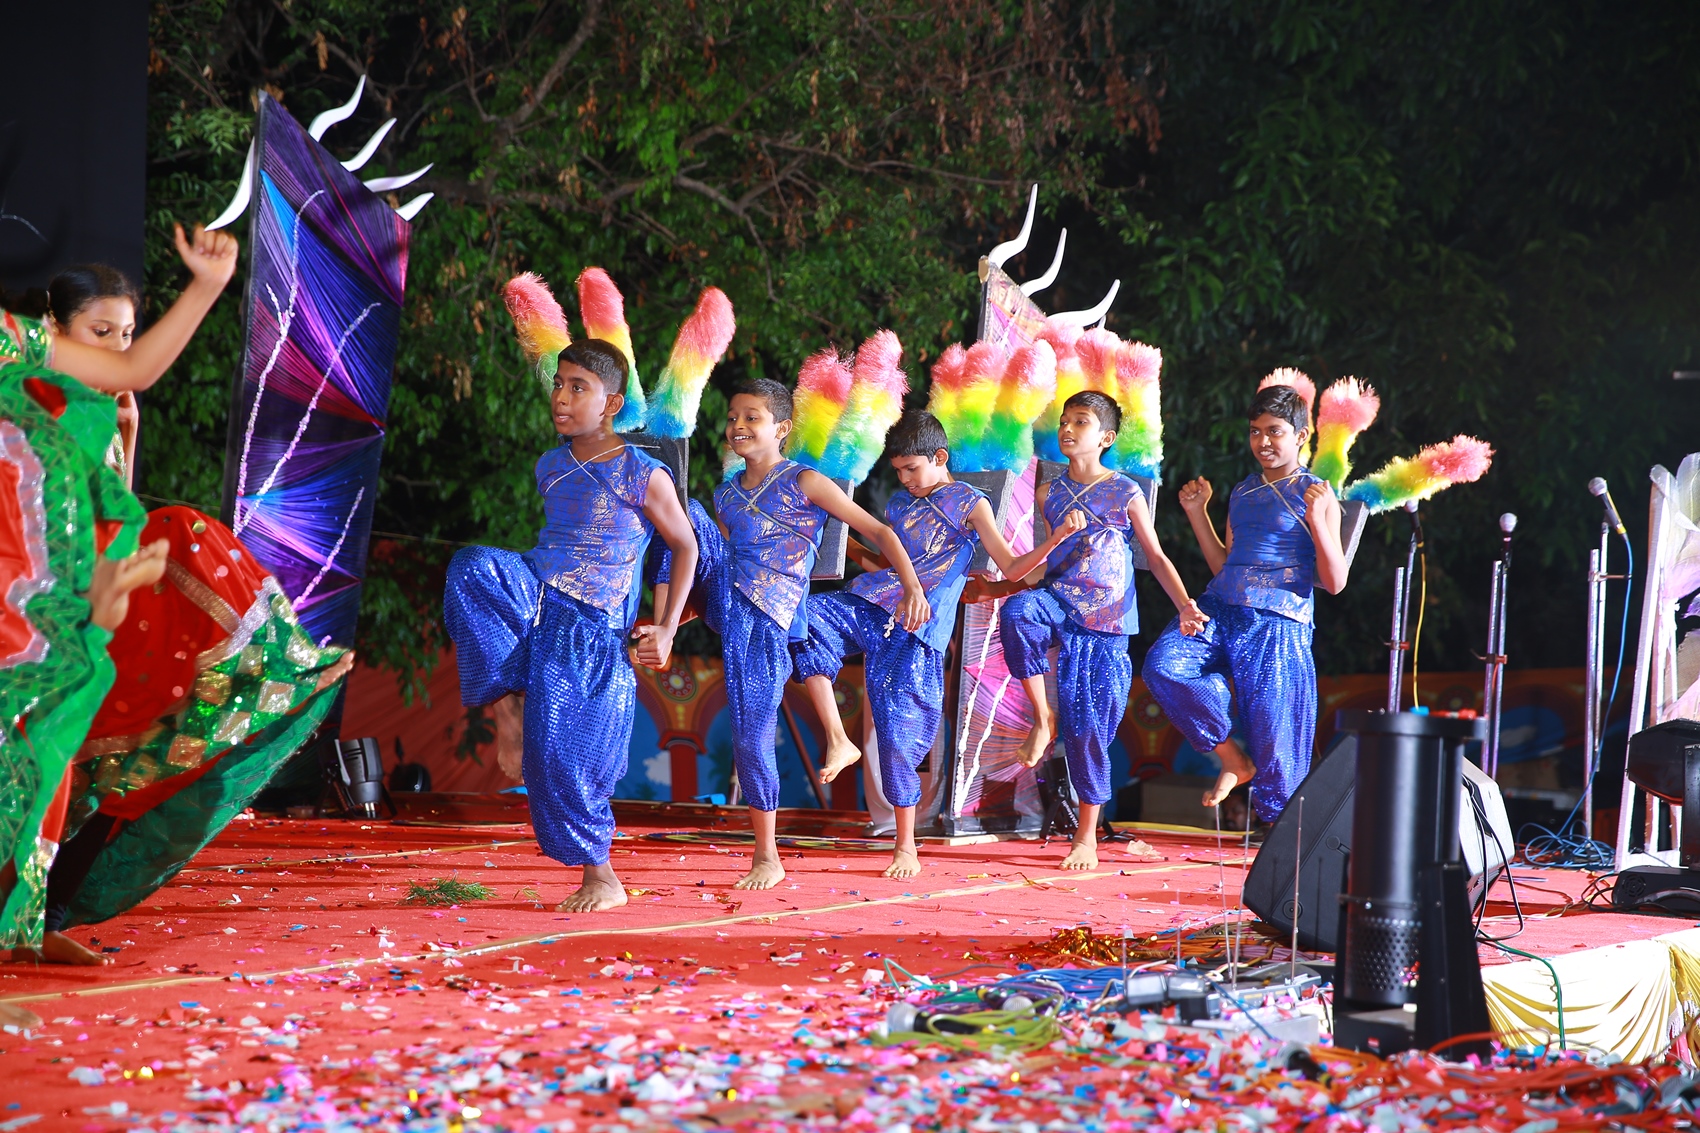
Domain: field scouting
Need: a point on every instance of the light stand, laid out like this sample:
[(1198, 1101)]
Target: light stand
[(1404, 581), (1493, 678)]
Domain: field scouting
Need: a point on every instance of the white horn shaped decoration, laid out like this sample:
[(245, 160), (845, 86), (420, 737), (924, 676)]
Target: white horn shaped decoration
[(336, 114), (1050, 276), (1088, 317), (385, 184), (411, 208), (354, 163), (1008, 250), (244, 192)]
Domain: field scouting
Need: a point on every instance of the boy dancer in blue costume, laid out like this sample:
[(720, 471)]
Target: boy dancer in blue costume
[(939, 521), (1086, 609), (552, 623), (755, 568), (1283, 539)]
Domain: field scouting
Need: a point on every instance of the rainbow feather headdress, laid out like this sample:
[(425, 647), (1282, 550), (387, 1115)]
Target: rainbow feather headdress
[(1348, 407), (539, 322), (671, 409), (987, 400), (1461, 460), (1128, 373), (1345, 410), (843, 409)]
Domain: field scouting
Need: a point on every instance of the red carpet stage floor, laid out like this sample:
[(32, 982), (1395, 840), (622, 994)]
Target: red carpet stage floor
[(285, 980)]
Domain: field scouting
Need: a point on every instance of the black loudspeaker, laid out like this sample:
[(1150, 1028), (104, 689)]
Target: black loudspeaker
[(1323, 847), (1319, 851)]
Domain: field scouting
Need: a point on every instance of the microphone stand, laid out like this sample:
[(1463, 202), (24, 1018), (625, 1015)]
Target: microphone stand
[(1404, 581), (1493, 679), (1593, 680)]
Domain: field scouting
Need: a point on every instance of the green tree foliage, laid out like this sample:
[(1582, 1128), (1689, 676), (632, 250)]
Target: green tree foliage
[(1484, 209)]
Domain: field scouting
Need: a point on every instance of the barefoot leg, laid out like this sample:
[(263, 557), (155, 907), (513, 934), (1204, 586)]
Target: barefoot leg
[(338, 670), (109, 591), (765, 870), (905, 859), (1083, 851), (1037, 745), (57, 948), (840, 752), (601, 890), (1236, 769), (510, 735)]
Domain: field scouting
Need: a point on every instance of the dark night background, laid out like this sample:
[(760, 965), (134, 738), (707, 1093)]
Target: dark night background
[(1490, 210)]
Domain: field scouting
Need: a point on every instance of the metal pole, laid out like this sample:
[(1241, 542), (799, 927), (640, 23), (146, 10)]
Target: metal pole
[(1491, 675), (1396, 648), (1597, 690), (1591, 724)]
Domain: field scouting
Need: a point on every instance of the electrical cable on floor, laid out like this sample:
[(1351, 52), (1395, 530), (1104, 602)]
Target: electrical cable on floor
[(1557, 987)]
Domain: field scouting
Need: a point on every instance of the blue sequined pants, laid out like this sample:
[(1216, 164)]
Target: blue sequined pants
[(904, 680), (757, 655), (1268, 658), (580, 692), (1094, 676)]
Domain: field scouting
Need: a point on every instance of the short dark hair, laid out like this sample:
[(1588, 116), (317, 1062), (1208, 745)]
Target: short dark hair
[(607, 361), (775, 394), (73, 289), (917, 433), (1283, 402), (1102, 406)]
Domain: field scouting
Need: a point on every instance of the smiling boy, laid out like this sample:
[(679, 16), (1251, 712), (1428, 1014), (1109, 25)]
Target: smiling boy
[(1283, 540)]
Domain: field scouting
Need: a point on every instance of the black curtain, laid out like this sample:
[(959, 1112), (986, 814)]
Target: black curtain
[(73, 138)]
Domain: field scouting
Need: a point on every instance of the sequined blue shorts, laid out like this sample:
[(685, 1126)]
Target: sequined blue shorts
[(1267, 657), (904, 679), (1094, 677), (513, 634)]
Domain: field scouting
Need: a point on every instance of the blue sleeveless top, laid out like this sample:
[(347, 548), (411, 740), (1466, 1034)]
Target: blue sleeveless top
[(1091, 572), (934, 531), (773, 534), (1272, 564), (595, 533)]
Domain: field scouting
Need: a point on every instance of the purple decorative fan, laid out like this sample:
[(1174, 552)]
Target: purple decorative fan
[(324, 301)]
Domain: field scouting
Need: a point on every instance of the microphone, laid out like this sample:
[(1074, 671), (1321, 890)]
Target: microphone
[(1508, 523), (1597, 486)]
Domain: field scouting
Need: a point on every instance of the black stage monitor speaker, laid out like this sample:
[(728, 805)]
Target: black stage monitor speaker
[(1319, 851)]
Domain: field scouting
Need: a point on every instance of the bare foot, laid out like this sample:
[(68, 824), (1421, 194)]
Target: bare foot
[(14, 1016), (57, 948), (764, 873), (840, 753), (1037, 745), (337, 671), (1236, 769), (109, 592), (905, 863), (1143, 851), (594, 896), (1081, 855)]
